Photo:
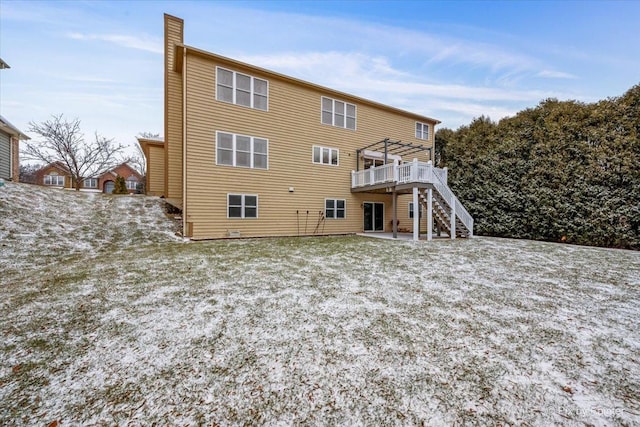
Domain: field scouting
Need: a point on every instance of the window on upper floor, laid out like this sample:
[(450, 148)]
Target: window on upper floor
[(422, 130), (242, 89), (338, 113), (90, 183), (335, 208), (55, 180), (325, 155), (242, 151), (242, 206)]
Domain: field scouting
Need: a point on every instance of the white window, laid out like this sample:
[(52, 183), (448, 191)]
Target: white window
[(325, 155), (242, 89), (55, 180), (242, 206), (335, 208), (242, 151), (422, 130), (132, 183), (90, 183), (411, 210), (338, 113)]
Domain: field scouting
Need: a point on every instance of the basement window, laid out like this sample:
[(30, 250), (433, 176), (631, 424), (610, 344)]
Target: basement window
[(242, 206), (335, 208)]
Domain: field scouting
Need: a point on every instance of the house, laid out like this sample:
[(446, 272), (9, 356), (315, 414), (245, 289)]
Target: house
[(54, 174), (252, 152), (10, 138), (153, 150), (107, 181), (57, 174)]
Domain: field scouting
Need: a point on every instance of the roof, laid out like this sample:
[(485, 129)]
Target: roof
[(125, 164), (7, 127), (147, 142), (296, 81), (154, 141), (3, 65), (152, 138), (58, 165)]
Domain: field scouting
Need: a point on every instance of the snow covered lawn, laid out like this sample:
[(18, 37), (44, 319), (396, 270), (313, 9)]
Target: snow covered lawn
[(109, 319)]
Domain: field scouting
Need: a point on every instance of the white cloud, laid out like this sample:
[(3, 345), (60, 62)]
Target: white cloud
[(146, 43), (427, 47), (551, 74), (373, 77)]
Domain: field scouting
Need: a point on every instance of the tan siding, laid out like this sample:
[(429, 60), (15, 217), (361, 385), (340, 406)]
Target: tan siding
[(406, 223), (292, 126), (155, 172), (173, 109)]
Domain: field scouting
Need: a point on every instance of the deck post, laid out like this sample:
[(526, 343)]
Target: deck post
[(453, 216), (394, 198), (416, 215), (429, 213), (386, 150), (395, 171)]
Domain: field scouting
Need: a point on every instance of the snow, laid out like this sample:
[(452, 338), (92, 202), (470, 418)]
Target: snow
[(131, 325)]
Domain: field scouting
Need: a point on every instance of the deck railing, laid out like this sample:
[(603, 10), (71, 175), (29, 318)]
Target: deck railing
[(398, 174), (413, 172)]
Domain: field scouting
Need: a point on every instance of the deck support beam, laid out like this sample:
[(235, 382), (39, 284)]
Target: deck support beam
[(394, 198), (416, 215), (429, 213)]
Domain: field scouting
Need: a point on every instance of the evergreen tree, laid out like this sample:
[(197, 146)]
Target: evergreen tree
[(563, 171), (120, 186)]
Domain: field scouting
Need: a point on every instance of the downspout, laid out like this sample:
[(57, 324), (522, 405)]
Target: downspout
[(184, 143)]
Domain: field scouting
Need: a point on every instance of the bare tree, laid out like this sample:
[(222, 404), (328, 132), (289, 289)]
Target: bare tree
[(138, 160), (62, 141), (149, 135), (28, 173)]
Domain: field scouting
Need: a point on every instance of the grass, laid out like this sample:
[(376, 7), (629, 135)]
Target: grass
[(332, 330)]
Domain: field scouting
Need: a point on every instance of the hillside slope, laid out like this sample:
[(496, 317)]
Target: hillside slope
[(71, 223)]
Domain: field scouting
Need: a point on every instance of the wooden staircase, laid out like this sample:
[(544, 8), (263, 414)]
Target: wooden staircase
[(441, 210)]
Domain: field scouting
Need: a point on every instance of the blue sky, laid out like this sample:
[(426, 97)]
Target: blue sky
[(453, 61)]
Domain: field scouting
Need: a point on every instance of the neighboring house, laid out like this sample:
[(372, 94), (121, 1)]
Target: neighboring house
[(251, 152), (54, 174), (57, 175), (153, 150), (10, 138), (106, 182)]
